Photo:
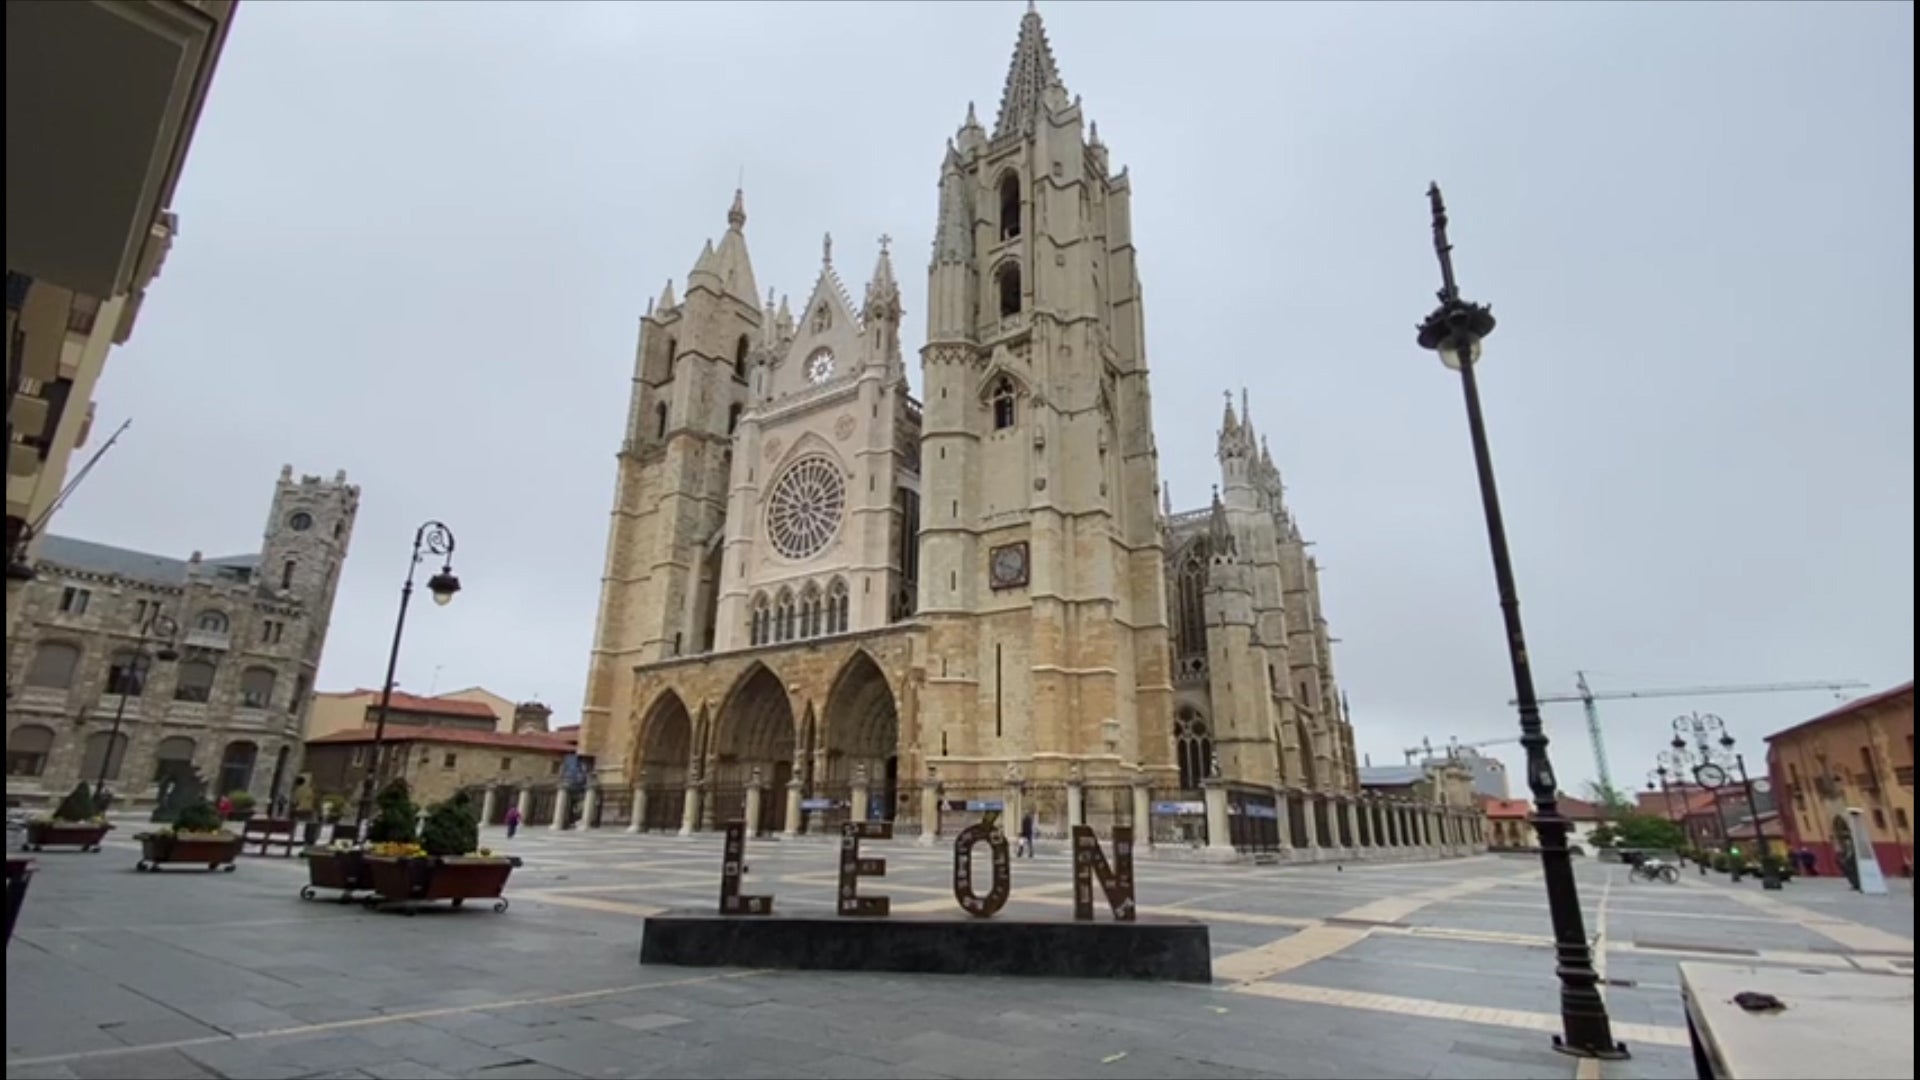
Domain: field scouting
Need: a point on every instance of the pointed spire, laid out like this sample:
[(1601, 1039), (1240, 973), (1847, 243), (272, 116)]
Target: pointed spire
[(1229, 424), (1029, 78), (1217, 527), (1166, 498), (666, 297), (972, 120), (883, 269), (826, 250), (737, 215)]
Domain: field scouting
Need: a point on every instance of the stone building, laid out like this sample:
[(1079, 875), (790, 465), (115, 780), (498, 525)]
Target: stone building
[(90, 643), (822, 593), (1857, 756), (346, 710), (495, 767)]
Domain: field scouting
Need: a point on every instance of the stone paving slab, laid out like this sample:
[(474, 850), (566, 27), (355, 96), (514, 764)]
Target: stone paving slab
[(119, 974)]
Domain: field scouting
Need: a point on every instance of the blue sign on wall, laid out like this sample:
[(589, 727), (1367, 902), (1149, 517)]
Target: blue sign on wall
[(819, 804), (1178, 809)]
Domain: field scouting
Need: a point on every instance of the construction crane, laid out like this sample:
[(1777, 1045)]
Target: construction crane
[(1586, 696), (1425, 750)]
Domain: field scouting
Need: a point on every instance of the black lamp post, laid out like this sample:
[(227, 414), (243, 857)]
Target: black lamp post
[(157, 626), (1769, 866), (1455, 330), (1711, 772), (432, 538)]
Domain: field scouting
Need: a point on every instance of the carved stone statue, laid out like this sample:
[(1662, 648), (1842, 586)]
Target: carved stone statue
[(1074, 775)]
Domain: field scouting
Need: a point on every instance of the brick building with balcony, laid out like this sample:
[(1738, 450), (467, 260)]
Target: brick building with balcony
[(91, 694), (1857, 756)]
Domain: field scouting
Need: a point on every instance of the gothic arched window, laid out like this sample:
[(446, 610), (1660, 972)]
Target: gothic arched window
[(1003, 411), (837, 603), (810, 611), (1009, 205), (1189, 610), (660, 421), (1193, 748), (740, 349), (1007, 278), (757, 625), (783, 617)]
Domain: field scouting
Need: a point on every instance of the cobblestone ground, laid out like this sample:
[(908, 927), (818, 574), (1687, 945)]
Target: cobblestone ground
[(1439, 969)]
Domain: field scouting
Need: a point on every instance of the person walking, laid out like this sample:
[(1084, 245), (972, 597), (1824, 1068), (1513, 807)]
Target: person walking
[(1026, 835), (513, 821)]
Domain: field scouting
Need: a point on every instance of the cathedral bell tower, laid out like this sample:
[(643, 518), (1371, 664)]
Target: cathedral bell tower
[(1040, 536), (690, 384)]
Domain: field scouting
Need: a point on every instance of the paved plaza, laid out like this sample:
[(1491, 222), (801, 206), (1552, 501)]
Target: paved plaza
[(1437, 969)]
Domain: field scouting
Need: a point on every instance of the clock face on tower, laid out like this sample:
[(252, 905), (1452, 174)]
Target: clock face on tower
[(1007, 566), (820, 366)]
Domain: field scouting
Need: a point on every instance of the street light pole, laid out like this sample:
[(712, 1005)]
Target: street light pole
[(1455, 330), (432, 538), (1769, 866), (142, 664)]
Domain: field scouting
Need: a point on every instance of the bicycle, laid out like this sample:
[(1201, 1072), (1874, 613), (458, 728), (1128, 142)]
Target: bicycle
[(1654, 870)]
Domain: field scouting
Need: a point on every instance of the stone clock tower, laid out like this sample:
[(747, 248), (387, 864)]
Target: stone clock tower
[(1043, 597)]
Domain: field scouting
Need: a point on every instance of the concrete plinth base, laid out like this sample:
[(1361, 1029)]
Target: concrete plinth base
[(1177, 950)]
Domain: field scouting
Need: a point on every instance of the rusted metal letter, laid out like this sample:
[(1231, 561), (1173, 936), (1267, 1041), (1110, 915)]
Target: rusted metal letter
[(981, 907), (853, 868), (733, 866), (1116, 881)]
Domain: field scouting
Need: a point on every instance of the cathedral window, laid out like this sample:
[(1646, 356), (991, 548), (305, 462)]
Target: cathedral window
[(1007, 278), (740, 358), (1189, 611), (757, 627), (1003, 413), (783, 617), (810, 611), (286, 575), (1009, 205), (1193, 748), (837, 607), (806, 508), (213, 622)]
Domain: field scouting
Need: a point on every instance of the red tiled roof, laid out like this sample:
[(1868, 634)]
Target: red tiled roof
[(463, 736), (1849, 708), (1506, 808), (414, 703)]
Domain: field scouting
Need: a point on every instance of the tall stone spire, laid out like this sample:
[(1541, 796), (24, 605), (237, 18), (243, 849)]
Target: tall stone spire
[(1029, 78)]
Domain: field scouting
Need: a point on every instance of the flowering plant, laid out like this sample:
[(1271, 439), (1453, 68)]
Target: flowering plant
[(397, 849)]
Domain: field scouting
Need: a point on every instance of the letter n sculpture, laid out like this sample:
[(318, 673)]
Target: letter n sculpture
[(853, 868), (733, 867), (981, 907), (1116, 881)]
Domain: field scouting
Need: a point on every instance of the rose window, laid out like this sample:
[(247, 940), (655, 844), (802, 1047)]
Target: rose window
[(806, 507)]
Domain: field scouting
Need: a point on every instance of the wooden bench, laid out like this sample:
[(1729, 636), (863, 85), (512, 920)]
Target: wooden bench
[(269, 833), (1836, 1023)]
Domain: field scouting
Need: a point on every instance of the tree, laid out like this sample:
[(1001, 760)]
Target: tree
[(395, 816), (1641, 832), (77, 806)]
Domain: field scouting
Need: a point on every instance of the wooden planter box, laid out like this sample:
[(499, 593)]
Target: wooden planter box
[(330, 869), (74, 834), (213, 852), (19, 875), (457, 879)]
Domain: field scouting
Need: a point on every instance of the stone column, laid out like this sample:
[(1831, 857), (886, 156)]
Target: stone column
[(589, 807), (488, 803), (1219, 834), (1283, 817), (756, 791), (1077, 808), (792, 827), (861, 794), (1016, 798), (1310, 820), (525, 804), (639, 808), (1352, 815), (690, 807), (562, 802), (929, 811), (1142, 812)]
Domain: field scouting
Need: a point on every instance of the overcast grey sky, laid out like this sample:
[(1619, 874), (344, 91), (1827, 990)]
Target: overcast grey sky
[(416, 239)]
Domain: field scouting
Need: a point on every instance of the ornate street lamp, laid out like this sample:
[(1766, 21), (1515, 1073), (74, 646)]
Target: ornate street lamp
[(1702, 726), (158, 627), (1456, 330), (432, 538)]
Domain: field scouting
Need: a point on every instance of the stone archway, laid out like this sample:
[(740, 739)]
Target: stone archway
[(665, 748), (861, 738), (753, 740)]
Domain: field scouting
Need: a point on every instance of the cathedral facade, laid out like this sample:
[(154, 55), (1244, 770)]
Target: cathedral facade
[(824, 596)]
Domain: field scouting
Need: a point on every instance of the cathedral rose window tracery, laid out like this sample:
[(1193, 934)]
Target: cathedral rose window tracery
[(806, 508)]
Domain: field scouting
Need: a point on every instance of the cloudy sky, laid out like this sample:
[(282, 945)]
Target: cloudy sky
[(416, 239)]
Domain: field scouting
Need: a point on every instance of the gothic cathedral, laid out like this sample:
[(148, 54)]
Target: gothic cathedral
[(824, 597)]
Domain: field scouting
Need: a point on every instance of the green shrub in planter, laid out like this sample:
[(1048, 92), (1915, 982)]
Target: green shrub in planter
[(452, 827), (243, 802), (395, 817), (198, 816), (77, 806)]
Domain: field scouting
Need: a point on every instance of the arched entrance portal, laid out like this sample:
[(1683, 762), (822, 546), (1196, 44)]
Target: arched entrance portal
[(861, 741), (754, 739), (666, 746)]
